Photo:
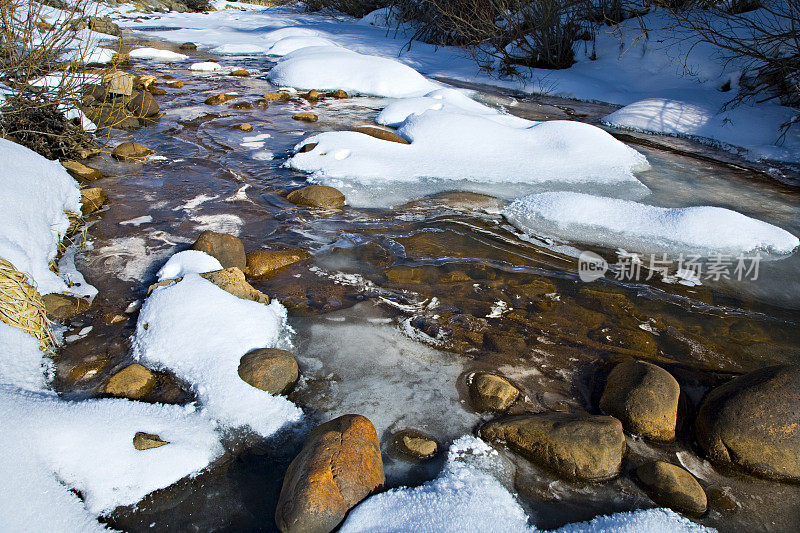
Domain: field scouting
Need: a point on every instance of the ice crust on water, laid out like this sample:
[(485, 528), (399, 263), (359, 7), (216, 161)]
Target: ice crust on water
[(467, 496), (188, 262), (199, 332), (331, 67), (156, 54), (645, 228)]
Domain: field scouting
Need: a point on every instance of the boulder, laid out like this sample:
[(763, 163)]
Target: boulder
[(645, 399), (240, 72), (81, 172), (188, 47), (305, 116), (380, 133), (264, 263), (143, 105), (225, 248), (340, 465), (104, 25), (338, 94), (269, 369), (157, 91), (134, 381), (576, 446), (312, 95), (131, 150), (176, 84), (317, 196), (280, 96), (674, 487), (232, 280), (147, 441), (489, 392), (220, 98), (92, 199), (753, 421), (63, 307)]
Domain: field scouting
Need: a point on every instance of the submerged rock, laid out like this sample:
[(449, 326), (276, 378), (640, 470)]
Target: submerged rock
[(269, 369), (92, 199), (644, 397), (225, 248), (244, 127), (414, 444), (305, 116), (380, 133), (490, 392), (280, 96), (753, 421), (232, 280), (674, 487), (576, 446), (220, 98), (240, 72), (147, 441), (143, 105), (134, 381), (264, 263), (131, 150), (176, 84), (317, 196), (340, 465), (63, 307), (81, 172)]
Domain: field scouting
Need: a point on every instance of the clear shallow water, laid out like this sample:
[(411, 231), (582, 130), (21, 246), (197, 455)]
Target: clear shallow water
[(438, 257)]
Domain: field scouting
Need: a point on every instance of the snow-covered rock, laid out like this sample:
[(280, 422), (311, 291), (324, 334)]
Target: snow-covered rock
[(645, 228), (156, 54), (188, 262), (659, 115), (205, 66), (290, 44)]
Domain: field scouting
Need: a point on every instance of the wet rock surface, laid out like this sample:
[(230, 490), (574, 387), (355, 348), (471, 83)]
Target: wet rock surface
[(316, 196), (490, 392), (672, 486), (225, 248), (269, 369), (264, 263)]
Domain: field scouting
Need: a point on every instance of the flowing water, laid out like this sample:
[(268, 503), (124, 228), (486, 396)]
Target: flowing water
[(398, 306)]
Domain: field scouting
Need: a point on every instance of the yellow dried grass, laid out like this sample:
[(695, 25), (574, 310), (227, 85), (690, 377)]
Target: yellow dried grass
[(22, 307)]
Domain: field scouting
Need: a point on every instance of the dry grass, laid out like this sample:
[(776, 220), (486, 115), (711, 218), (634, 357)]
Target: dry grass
[(22, 307)]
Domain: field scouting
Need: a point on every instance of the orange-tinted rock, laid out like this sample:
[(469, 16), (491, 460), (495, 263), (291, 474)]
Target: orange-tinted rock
[(317, 196), (227, 249), (264, 263), (380, 133)]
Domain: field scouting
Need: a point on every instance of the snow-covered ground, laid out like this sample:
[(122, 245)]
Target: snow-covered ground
[(676, 87)]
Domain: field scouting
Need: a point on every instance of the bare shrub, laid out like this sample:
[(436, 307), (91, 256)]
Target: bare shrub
[(355, 8)]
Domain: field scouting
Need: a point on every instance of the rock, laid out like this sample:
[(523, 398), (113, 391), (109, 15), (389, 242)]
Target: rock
[(188, 46), (305, 116), (143, 105), (147, 441), (415, 444), (225, 248), (338, 94), (672, 486), (244, 127), (162, 283), (112, 115), (114, 318), (92, 199), (576, 446), (269, 369), (144, 82), (264, 263), (753, 421), (262, 104), (232, 280), (280, 96), (176, 84), (645, 399), (104, 25), (312, 95), (119, 83), (489, 392), (307, 148), (340, 465), (81, 172), (380, 133), (130, 150), (316, 196), (157, 91), (240, 72), (134, 382), (63, 307), (242, 105), (220, 98)]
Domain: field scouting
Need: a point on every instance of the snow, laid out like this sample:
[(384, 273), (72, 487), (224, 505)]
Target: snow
[(634, 226), (453, 150), (288, 45), (188, 262), (156, 54), (205, 66), (329, 68), (199, 332), (36, 193)]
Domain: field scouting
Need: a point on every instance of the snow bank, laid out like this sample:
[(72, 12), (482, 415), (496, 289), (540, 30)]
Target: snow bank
[(200, 332), (188, 262), (457, 150), (156, 54), (36, 192), (21, 361), (205, 66), (287, 45), (659, 115), (645, 228), (330, 68)]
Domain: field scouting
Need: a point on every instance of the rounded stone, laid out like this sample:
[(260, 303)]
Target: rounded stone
[(490, 392), (219, 99), (338, 94), (240, 72), (414, 444), (264, 263), (225, 248), (188, 46), (176, 84), (81, 172), (317, 196), (645, 399), (232, 280), (134, 381), (269, 369), (674, 487), (131, 150), (305, 116), (143, 105), (382, 134), (280, 96), (92, 199), (147, 441), (63, 307)]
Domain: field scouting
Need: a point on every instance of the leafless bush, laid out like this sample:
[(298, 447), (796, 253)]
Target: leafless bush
[(356, 8)]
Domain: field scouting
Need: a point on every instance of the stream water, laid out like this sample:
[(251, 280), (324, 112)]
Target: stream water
[(397, 306)]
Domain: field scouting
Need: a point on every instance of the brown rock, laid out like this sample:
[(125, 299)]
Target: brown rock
[(63, 307), (338, 94), (269, 369), (176, 84), (415, 444), (489, 392), (134, 382), (244, 127), (312, 95), (130, 150), (147, 441), (754, 421), (157, 91), (240, 72), (645, 399), (144, 105), (92, 199), (242, 105), (576, 446), (81, 172), (280, 96), (188, 46), (340, 465), (316, 196), (232, 280), (672, 486), (380, 133), (220, 98), (144, 82), (264, 263), (307, 148), (305, 116), (227, 249), (262, 104)]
